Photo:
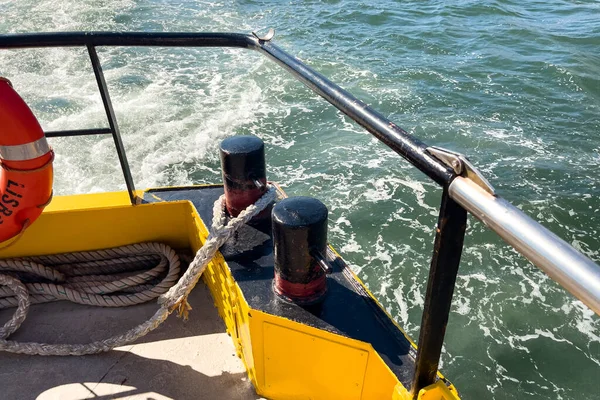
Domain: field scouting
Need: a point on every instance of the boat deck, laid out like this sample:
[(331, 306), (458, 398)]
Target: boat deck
[(347, 310), (179, 360)]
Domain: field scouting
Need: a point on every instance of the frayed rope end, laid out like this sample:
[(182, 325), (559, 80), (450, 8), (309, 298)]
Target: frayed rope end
[(183, 308)]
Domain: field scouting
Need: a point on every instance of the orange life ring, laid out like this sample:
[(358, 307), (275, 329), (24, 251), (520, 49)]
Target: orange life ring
[(26, 161)]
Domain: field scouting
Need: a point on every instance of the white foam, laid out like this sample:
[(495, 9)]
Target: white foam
[(398, 295), (351, 246)]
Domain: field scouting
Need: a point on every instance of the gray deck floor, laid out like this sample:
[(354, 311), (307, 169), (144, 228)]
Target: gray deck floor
[(179, 360)]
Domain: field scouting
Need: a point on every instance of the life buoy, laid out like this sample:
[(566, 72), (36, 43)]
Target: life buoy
[(26, 164)]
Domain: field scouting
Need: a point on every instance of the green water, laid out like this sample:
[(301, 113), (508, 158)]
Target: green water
[(515, 85)]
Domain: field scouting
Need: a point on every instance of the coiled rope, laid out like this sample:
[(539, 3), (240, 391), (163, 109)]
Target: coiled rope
[(116, 277)]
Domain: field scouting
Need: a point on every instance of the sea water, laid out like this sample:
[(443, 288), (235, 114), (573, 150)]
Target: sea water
[(515, 85)]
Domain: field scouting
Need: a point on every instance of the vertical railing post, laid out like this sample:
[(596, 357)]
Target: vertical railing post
[(447, 251), (112, 121)]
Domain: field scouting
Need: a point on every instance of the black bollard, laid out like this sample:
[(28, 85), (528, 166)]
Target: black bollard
[(300, 241), (244, 172)]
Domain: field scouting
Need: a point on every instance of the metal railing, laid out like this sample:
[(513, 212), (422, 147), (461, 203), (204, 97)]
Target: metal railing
[(464, 189)]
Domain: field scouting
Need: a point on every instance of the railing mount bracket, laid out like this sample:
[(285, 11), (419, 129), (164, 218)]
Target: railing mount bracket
[(267, 37), (461, 166)]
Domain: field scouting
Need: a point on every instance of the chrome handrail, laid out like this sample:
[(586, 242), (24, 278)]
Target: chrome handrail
[(563, 263)]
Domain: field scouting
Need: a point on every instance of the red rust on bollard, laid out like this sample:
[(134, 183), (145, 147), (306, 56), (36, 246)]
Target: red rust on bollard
[(300, 240), (244, 172), (306, 293)]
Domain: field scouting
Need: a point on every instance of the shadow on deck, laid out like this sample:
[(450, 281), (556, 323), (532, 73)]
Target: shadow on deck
[(179, 360)]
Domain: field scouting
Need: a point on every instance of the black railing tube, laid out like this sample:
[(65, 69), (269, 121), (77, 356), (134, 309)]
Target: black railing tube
[(396, 138), (79, 132), (163, 39), (447, 250), (386, 131), (112, 121)]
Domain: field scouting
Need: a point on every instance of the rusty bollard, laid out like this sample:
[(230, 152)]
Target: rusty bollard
[(244, 171), (300, 243)]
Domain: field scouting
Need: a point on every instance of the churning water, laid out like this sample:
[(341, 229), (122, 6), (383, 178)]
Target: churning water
[(513, 84)]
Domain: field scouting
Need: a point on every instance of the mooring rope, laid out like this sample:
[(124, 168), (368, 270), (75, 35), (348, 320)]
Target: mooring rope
[(115, 277), (92, 277)]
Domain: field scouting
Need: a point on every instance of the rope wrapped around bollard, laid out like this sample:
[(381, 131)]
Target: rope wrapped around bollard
[(93, 290)]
